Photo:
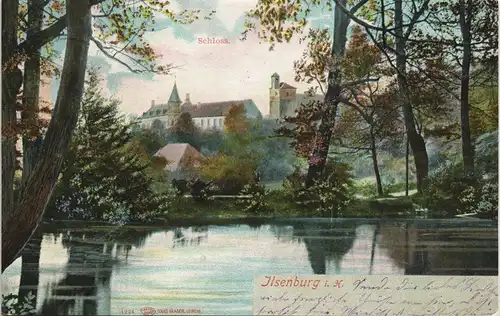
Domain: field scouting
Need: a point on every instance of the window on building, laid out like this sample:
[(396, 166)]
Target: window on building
[(208, 122), (157, 112), (287, 94), (220, 122), (201, 122), (165, 111)]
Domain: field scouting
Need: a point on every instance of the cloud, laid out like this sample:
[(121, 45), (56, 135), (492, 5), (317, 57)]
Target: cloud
[(238, 70), (209, 72)]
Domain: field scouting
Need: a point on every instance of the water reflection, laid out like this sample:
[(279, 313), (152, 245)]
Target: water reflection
[(108, 269), (193, 236), (326, 242), (85, 288), (30, 267), (421, 250)]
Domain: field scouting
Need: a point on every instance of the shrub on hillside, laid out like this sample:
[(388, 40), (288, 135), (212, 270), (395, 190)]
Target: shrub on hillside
[(329, 195), (365, 187), (488, 201), (228, 173), (257, 198), (293, 184), (201, 190), (486, 154), (449, 190)]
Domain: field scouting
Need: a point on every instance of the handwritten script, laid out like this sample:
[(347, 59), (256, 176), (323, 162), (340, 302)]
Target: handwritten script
[(376, 295)]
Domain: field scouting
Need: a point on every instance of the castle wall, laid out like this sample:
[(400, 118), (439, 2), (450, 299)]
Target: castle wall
[(288, 94)]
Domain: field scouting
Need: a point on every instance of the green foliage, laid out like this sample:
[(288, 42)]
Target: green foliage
[(210, 142), (12, 305), (273, 154), (294, 183), (487, 153), (257, 201), (488, 199), (449, 190), (201, 191), (484, 106), (276, 158), (148, 140), (368, 187), (365, 187), (333, 190), (399, 187), (453, 192), (229, 173), (394, 170), (236, 121), (277, 22), (331, 194), (107, 176), (119, 28), (185, 131), (236, 163)]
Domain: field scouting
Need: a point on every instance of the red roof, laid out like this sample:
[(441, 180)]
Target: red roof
[(211, 109), (285, 85), (178, 154)]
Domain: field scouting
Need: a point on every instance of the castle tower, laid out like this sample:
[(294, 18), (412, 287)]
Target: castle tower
[(174, 106), (174, 102), (274, 97)]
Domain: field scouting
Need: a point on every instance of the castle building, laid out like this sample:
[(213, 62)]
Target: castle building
[(284, 99), (209, 115)]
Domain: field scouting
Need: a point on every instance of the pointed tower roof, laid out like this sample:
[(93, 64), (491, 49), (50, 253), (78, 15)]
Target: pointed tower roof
[(174, 96), (275, 75)]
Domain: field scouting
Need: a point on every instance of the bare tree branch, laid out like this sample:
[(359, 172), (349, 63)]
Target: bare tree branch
[(47, 35), (107, 54), (415, 18)]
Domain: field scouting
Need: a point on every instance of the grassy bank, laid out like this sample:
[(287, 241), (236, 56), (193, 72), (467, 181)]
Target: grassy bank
[(187, 208)]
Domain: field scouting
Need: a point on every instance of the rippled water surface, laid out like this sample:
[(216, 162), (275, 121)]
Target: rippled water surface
[(111, 270)]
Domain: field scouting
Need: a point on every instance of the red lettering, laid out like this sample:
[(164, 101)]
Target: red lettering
[(338, 283)]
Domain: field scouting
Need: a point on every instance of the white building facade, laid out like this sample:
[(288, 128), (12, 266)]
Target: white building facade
[(210, 115)]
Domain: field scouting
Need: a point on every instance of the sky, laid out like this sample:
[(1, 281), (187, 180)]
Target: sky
[(208, 72)]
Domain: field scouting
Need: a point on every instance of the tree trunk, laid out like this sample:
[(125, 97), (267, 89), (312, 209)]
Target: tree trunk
[(416, 140), (373, 149), (31, 90), (465, 27), (40, 184), (318, 156), (11, 84), (407, 167)]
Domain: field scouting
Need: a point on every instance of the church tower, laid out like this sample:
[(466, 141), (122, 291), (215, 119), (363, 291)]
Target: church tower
[(274, 97)]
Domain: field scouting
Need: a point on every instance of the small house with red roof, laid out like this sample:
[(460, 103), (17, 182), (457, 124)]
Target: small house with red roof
[(182, 160)]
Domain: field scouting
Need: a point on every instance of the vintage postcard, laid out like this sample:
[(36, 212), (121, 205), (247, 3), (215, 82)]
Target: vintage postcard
[(250, 157)]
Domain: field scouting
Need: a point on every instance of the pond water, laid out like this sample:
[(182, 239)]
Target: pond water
[(119, 270)]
